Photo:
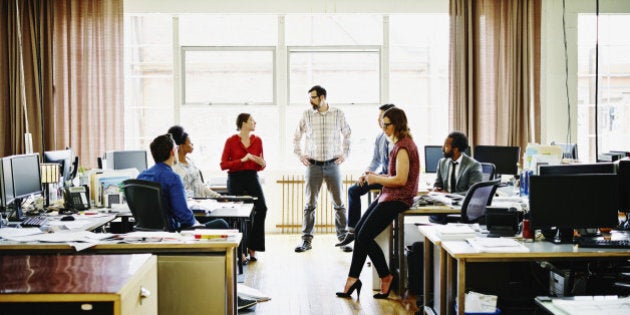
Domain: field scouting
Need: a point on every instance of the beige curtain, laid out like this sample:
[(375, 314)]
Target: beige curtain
[(495, 71), (25, 101), (88, 80)]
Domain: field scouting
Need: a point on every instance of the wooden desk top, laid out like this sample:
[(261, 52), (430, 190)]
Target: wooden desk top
[(148, 247), (537, 250), (433, 209), (68, 274)]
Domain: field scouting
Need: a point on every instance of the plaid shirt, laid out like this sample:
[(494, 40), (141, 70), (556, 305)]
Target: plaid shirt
[(323, 135)]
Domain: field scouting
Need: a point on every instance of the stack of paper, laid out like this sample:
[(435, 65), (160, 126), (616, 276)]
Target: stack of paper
[(497, 245), (455, 232)]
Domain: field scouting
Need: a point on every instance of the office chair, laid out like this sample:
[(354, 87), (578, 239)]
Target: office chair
[(569, 150), (145, 202), (479, 196), (488, 171)]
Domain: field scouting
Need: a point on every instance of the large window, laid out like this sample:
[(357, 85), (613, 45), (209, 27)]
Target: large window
[(613, 109), (228, 75), (202, 70)]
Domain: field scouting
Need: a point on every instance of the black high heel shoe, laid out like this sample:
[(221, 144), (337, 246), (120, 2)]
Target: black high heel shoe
[(392, 284), (356, 285)]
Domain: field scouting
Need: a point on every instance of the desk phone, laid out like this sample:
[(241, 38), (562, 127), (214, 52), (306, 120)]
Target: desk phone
[(76, 198)]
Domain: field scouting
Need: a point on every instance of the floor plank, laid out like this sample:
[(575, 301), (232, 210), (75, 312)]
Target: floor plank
[(305, 283)]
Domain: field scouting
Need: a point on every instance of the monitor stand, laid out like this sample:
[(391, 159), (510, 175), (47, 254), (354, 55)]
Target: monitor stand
[(562, 236), (16, 213)]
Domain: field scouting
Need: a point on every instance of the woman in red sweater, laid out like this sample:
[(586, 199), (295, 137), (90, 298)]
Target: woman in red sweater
[(243, 158)]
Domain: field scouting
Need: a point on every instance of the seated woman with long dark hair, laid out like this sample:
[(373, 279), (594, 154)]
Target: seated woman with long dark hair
[(400, 185)]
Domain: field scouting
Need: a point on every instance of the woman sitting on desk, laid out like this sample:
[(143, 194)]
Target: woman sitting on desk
[(243, 158), (400, 185), (186, 169)]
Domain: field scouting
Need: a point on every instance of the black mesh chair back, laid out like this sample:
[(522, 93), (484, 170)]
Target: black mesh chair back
[(479, 196), (145, 202), (487, 171)]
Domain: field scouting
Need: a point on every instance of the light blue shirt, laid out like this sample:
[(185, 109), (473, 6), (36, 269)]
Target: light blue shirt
[(381, 154)]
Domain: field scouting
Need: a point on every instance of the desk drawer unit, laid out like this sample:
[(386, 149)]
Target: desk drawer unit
[(81, 284)]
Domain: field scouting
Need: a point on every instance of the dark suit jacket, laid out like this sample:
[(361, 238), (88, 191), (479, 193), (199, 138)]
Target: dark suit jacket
[(469, 174)]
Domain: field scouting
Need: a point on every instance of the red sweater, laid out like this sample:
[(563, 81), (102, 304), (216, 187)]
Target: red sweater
[(234, 151)]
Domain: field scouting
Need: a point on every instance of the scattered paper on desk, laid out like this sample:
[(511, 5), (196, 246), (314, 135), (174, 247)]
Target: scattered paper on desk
[(150, 237), (497, 245), (480, 303), (209, 234), (608, 306), (61, 237), (455, 232), (9, 233)]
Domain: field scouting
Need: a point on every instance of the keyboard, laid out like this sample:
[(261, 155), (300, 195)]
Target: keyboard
[(34, 221), (601, 243)]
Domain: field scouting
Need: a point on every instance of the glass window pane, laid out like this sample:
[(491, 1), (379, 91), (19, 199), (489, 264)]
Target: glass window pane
[(316, 30), (148, 78), (221, 76), (209, 142), (613, 108), (349, 77), (228, 30), (418, 73)]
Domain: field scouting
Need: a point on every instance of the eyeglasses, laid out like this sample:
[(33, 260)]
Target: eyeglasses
[(314, 97), (385, 125)]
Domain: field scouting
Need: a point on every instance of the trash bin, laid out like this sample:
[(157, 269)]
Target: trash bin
[(415, 262)]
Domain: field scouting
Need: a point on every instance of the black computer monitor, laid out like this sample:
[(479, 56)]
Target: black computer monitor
[(63, 158), (624, 185), (504, 158), (27, 181), (6, 180), (432, 155), (572, 169), (118, 160), (574, 201)]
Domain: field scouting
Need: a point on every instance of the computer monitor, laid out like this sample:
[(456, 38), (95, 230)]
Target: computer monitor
[(432, 155), (6, 181), (118, 160), (504, 158), (624, 185), (63, 158), (572, 169), (573, 201), (27, 180)]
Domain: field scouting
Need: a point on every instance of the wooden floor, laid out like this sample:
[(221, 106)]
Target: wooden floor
[(305, 283)]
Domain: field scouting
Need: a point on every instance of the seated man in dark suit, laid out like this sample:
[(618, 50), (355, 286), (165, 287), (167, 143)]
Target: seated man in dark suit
[(173, 194), (456, 171)]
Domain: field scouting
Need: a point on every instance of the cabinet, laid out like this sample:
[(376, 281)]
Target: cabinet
[(78, 284)]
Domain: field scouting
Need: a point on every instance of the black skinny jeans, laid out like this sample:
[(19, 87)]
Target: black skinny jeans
[(374, 221), (246, 183)]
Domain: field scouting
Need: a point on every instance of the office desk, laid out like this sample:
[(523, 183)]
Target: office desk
[(108, 284), (193, 276), (399, 236), (460, 253), (238, 217)]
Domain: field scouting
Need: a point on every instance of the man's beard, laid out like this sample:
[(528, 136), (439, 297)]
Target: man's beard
[(315, 106), (448, 154)]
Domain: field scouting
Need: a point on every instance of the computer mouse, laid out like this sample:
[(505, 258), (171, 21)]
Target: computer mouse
[(67, 218)]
